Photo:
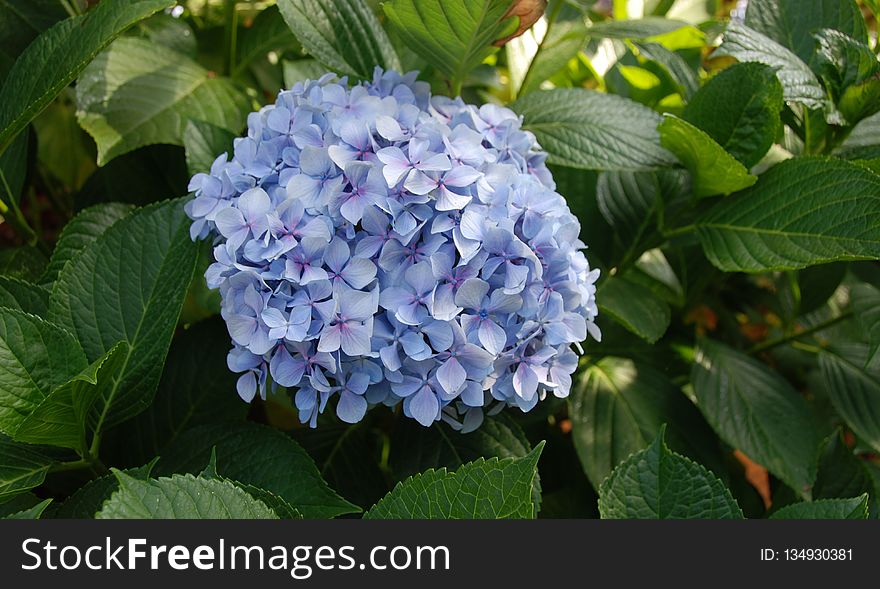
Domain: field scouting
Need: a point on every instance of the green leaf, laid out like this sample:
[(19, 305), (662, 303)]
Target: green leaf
[(23, 296), (22, 467), (57, 56), (64, 150), (755, 410), (483, 489), (841, 473), (628, 201), (129, 285), (834, 218), (141, 177), (86, 501), (81, 231), (26, 262), (136, 94), (181, 497), (713, 170), (636, 28), (799, 83), (792, 23), (36, 356), (854, 388), (454, 36), (564, 37), (62, 418), (586, 129), (657, 483), (852, 71), (21, 21), (855, 508), (344, 35), (740, 109), (172, 33), (680, 72), (13, 171), (348, 458), (260, 456), (865, 301), (32, 513), (204, 143), (268, 33), (619, 407), (635, 307), (196, 388)]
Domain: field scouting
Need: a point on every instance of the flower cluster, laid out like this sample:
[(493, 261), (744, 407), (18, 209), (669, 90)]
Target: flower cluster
[(380, 245)]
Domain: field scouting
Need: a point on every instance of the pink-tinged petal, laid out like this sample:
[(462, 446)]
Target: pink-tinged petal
[(311, 274), (461, 176), (396, 165), (420, 183), (330, 339), (492, 337), (436, 163), (241, 328), (394, 297)]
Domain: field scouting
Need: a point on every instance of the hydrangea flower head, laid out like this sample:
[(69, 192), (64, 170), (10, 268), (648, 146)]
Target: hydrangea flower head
[(377, 245)]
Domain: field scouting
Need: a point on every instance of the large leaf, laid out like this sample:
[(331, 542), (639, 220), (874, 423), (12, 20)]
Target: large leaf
[(181, 497), (22, 468), (636, 28), (344, 35), (842, 474), (754, 409), (23, 296), (713, 170), (628, 201), (834, 217), (34, 512), (268, 33), (799, 83), (483, 489), (258, 456), (21, 21), (205, 142), (79, 232), (591, 130), (137, 93), (128, 285), (86, 501), (619, 407), (454, 36), (25, 262), (865, 301), (854, 388), (740, 109), (792, 22), (855, 508), (535, 56), (36, 357), (852, 71), (62, 418), (13, 171), (57, 56), (657, 483), (196, 389), (635, 307)]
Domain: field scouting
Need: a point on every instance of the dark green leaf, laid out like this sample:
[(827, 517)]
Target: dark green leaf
[(36, 356), (792, 23), (129, 285), (87, 500), (26, 263), (855, 508), (23, 296), (740, 109), (684, 77), (483, 489), (13, 170), (635, 307), (31, 513), (799, 83), (619, 407), (755, 410), (854, 387), (657, 483), (865, 300), (168, 88), (196, 389), (181, 497), (81, 231), (58, 55), (628, 200), (258, 456), (268, 33), (454, 36), (205, 142), (344, 35), (586, 129), (21, 21), (852, 71), (842, 474), (834, 218), (22, 467), (713, 170), (172, 33)]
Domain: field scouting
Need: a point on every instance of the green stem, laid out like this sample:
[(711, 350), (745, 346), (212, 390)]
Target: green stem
[(680, 231), (231, 34), (773, 343)]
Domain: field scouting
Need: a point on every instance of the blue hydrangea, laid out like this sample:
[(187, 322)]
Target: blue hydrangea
[(377, 245)]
